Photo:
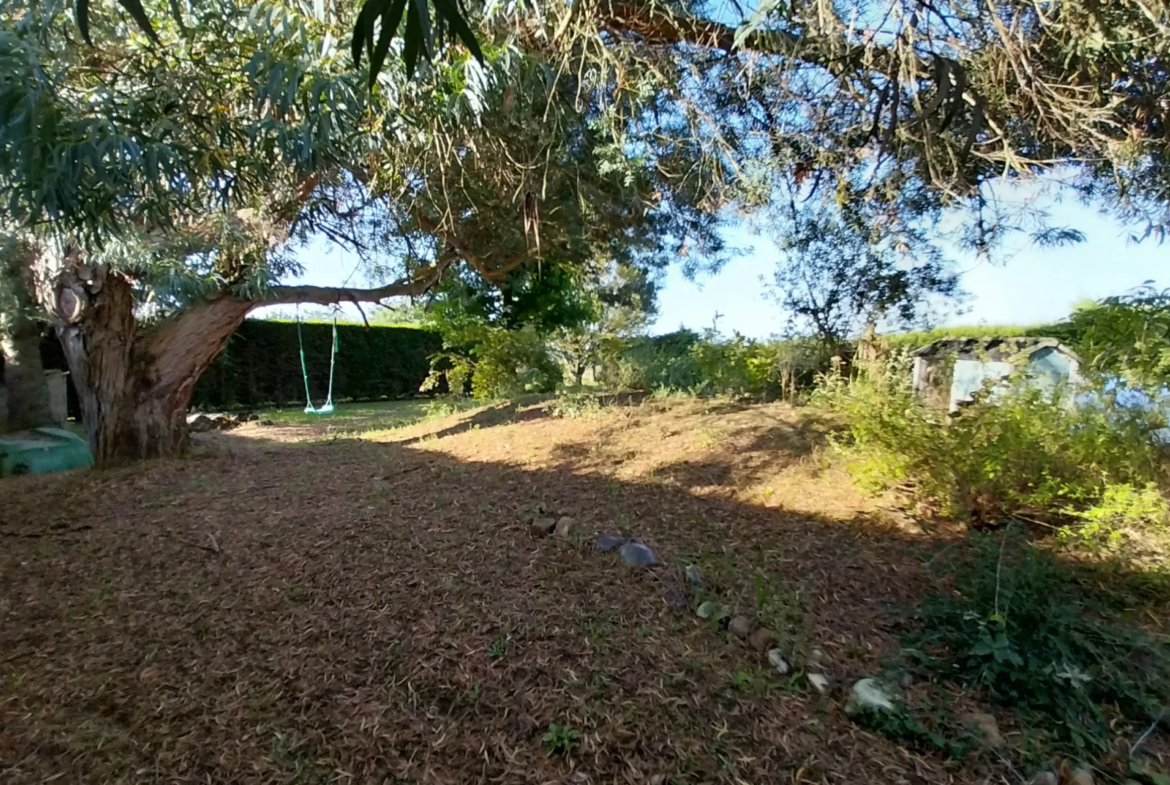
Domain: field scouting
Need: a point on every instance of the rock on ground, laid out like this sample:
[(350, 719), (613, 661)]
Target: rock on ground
[(871, 696), (564, 526), (608, 542), (637, 554), (542, 527), (776, 658), (763, 639), (987, 726), (741, 627), (819, 682), (710, 610)]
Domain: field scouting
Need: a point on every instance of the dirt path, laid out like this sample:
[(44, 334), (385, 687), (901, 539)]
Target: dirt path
[(377, 610)]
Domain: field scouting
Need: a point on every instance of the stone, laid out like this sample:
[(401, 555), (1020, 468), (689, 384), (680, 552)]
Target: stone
[(741, 627), (657, 779), (710, 610), (695, 578), (675, 599), (543, 527), (816, 657), (200, 423), (871, 696), (608, 542), (776, 658), (987, 726), (763, 639), (819, 682), (1081, 776), (564, 526), (637, 554), (1044, 778)]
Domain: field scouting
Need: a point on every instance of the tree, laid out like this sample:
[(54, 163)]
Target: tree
[(918, 106), (160, 186), (622, 303), (165, 181), (834, 278), (1127, 337), (164, 185)]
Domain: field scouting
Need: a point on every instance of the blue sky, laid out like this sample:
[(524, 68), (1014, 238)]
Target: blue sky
[(1033, 286)]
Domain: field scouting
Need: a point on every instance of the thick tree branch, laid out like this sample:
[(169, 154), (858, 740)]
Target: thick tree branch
[(419, 284), (491, 274), (658, 26)]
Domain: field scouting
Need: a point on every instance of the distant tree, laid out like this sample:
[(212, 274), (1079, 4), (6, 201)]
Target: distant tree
[(1127, 336), (834, 278), (408, 313), (622, 305)]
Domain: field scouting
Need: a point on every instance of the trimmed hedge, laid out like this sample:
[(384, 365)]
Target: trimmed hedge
[(261, 365)]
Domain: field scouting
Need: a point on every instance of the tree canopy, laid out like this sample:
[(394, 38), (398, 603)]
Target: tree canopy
[(167, 174)]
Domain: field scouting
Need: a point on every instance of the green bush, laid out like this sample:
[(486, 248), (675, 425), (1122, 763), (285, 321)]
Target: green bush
[(261, 365), (662, 361), (496, 363), (1023, 453), (576, 406), (1020, 629), (707, 365)]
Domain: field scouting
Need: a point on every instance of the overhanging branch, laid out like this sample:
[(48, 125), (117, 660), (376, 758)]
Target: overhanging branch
[(333, 295)]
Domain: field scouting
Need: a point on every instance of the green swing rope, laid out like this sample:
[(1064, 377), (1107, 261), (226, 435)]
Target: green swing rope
[(327, 407)]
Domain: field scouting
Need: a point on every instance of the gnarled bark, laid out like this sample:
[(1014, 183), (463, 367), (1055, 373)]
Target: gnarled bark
[(134, 384)]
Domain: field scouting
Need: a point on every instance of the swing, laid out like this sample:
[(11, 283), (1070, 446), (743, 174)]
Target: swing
[(327, 407)]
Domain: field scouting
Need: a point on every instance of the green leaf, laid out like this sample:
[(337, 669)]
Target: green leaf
[(390, 22), (135, 9), (411, 41), (424, 21), (449, 12), (363, 29), (82, 10)]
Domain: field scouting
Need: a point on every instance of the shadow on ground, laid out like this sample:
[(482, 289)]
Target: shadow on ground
[(366, 612)]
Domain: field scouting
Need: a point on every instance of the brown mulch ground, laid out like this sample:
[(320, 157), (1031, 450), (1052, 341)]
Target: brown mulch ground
[(376, 610)]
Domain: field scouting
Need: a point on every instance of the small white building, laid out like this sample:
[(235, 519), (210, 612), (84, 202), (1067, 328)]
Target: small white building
[(948, 372)]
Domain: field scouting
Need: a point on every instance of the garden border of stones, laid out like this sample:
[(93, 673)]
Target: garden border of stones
[(870, 699)]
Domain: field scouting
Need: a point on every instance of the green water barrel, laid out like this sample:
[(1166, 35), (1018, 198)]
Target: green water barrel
[(42, 450)]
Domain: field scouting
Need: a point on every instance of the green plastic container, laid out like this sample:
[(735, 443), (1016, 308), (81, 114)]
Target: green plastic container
[(43, 450)]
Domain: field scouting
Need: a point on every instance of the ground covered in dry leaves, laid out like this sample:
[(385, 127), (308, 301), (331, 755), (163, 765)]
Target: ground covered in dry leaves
[(300, 604)]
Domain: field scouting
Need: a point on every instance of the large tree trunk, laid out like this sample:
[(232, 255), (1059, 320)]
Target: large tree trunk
[(20, 340), (135, 385)]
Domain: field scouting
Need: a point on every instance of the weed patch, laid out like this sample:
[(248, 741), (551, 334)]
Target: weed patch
[(1020, 630)]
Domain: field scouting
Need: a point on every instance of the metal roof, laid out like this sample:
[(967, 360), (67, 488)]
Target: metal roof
[(1008, 349)]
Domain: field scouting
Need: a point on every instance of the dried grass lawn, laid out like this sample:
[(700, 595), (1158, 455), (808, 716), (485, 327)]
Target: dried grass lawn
[(295, 604)]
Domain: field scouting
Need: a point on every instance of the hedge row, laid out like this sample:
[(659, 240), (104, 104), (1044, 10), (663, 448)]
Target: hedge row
[(261, 365)]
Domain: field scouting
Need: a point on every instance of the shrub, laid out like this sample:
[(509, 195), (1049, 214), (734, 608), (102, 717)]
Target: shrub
[(662, 361), (1019, 628), (574, 406), (1022, 453), (496, 363), (709, 365)]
